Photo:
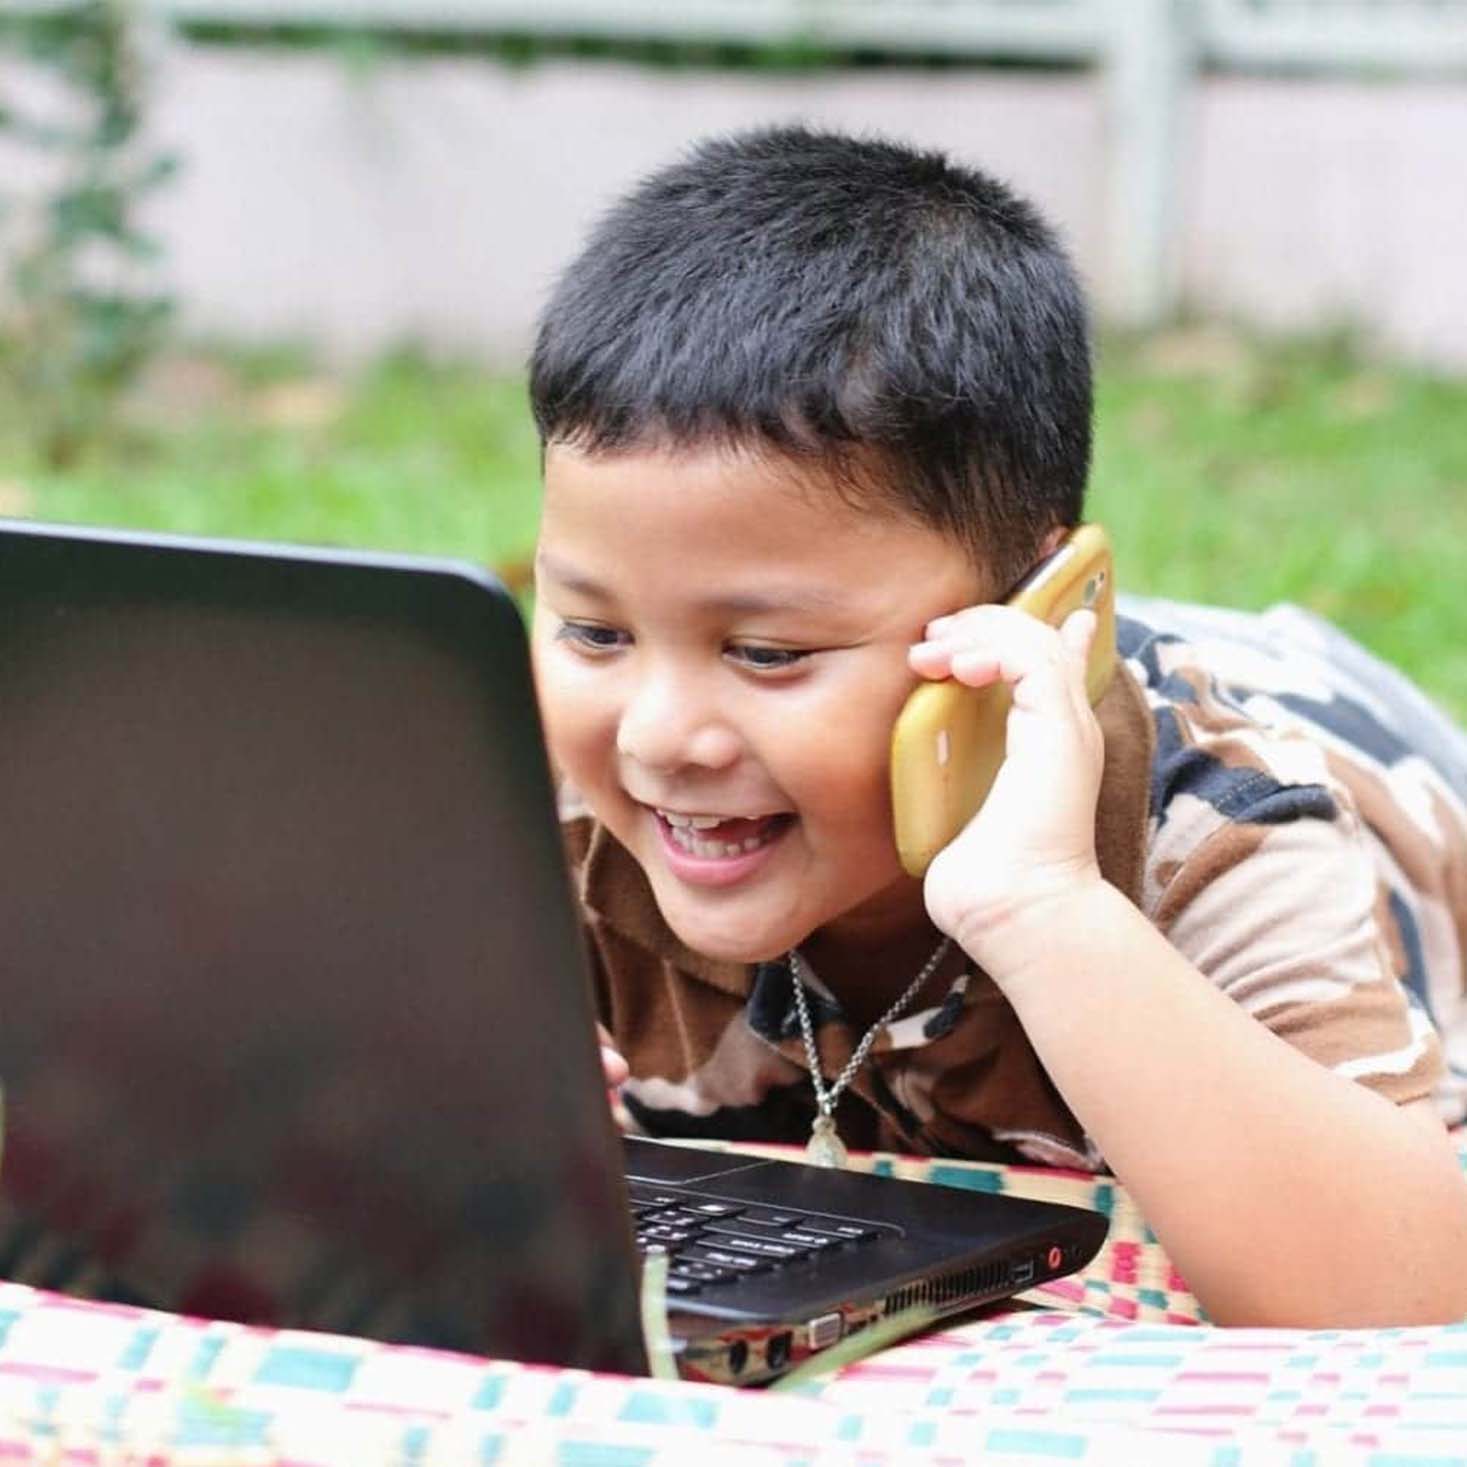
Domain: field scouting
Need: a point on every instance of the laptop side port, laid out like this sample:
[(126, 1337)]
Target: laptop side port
[(1023, 1271), (738, 1357), (777, 1351), (825, 1330)]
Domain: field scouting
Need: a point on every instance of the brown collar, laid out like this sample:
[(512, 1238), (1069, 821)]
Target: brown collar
[(614, 890)]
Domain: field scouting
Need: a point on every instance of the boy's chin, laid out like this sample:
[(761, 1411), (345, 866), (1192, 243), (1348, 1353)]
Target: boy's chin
[(731, 940), (729, 948)]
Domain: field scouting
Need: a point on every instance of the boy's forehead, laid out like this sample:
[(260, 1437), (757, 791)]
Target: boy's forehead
[(804, 597), (737, 505)]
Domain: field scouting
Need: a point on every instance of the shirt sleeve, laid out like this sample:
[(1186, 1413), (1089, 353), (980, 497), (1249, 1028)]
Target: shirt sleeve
[(1266, 881)]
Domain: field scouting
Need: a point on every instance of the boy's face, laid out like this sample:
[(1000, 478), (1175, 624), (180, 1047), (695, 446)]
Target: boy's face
[(720, 652)]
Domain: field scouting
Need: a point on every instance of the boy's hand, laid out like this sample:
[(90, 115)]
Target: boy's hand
[(612, 1064), (616, 1070), (1033, 841)]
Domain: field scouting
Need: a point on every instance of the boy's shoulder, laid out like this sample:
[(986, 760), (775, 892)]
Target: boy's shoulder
[(1261, 716), (1308, 829)]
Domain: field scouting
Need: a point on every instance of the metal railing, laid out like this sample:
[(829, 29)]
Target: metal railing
[(1057, 30), (1415, 36), (1331, 35), (1372, 35)]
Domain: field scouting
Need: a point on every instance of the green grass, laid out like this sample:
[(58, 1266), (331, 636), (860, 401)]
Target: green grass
[(1295, 474), (1229, 472), (404, 456)]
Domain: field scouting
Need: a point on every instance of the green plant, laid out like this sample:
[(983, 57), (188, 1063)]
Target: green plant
[(79, 310)]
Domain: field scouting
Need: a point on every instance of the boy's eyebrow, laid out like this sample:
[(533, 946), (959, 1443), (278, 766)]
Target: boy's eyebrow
[(740, 603)]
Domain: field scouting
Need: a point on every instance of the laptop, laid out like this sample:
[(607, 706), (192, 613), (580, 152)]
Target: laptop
[(297, 1020)]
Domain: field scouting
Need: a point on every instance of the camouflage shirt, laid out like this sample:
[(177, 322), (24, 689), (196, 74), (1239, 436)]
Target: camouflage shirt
[(1290, 813)]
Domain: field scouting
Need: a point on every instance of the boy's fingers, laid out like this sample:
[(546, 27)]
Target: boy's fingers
[(959, 635), (613, 1065), (1014, 643), (1078, 632), (931, 659), (986, 642), (977, 667)]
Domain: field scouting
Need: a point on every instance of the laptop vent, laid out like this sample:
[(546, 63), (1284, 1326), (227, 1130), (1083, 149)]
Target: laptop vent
[(949, 1288)]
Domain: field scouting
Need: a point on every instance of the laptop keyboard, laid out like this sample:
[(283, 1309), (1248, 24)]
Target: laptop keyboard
[(711, 1241)]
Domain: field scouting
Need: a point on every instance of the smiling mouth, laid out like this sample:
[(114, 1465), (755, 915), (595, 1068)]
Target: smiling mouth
[(713, 837)]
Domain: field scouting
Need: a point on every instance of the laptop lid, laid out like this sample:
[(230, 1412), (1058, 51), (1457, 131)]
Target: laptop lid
[(297, 1026)]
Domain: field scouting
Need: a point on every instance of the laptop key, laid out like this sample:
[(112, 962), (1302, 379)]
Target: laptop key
[(649, 1198), (738, 1225), (676, 1284), (714, 1209), (802, 1239), (703, 1273), (680, 1217), (761, 1247), (658, 1233), (770, 1218), (847, 1232), (726, 1258)]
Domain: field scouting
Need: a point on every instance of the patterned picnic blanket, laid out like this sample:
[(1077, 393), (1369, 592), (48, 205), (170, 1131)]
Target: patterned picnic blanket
[(1114, 1366)]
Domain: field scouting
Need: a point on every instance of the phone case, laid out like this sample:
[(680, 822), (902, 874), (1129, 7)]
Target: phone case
[(948, 742)]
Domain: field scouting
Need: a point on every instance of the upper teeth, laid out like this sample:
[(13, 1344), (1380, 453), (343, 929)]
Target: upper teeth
[(694, 822)]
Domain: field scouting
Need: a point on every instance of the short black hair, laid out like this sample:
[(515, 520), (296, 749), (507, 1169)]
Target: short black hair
[(905, 321)]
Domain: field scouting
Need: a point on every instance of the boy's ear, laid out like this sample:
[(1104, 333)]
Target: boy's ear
[(1053, 539)]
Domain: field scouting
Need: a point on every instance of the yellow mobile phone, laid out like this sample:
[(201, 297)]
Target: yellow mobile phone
[(948, 741)]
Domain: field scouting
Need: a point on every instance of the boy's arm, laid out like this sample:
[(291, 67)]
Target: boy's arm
[(1284, 1193)]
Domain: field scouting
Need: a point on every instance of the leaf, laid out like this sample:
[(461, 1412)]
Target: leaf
[(76, 346)]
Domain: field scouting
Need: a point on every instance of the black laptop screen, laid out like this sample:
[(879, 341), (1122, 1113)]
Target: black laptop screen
[(294, 1025)]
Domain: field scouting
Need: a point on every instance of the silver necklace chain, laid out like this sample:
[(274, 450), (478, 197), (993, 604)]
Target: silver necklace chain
[(825, 1098)]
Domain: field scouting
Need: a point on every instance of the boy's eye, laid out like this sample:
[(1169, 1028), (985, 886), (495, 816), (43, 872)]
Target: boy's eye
[(590, 636), (765, 659)]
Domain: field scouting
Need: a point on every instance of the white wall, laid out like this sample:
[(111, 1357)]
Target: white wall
[(1328, 202), (437, 199), (434, 199)]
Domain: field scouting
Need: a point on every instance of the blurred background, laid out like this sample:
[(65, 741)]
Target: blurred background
[(270, 267)]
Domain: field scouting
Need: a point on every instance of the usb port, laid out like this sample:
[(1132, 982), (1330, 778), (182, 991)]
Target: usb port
[(1023, 1273)]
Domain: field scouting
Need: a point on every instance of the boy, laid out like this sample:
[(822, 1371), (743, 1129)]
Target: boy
[(810, 406)]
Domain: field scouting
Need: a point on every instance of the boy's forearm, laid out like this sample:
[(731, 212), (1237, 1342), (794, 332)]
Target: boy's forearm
[(1283, 1193)]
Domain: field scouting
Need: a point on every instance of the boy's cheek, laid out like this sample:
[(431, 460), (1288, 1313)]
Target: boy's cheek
[(569, 719), (846, 786), (563, 685), (844, 743), (570, 734), (540, 648)]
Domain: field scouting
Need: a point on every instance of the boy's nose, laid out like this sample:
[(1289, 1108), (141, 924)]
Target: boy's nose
[(665, 727)]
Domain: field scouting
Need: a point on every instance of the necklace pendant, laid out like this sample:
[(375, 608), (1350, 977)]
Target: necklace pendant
[(825, 1148)]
